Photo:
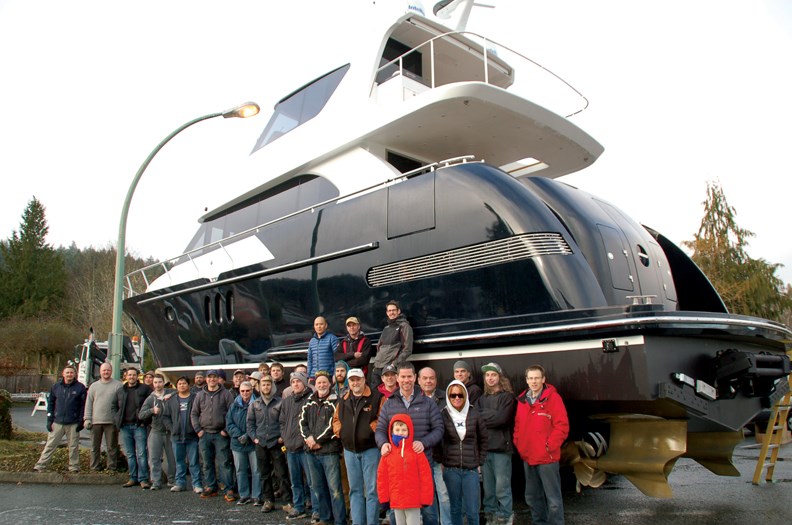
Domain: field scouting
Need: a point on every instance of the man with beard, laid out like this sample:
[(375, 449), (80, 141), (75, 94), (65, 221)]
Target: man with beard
[(134, 430), (159, 438), (496, 409), (340, 385), (199, 382)]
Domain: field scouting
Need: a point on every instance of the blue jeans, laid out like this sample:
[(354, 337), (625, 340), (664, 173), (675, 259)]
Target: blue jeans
[(247, 474), (133, 439), (463, 489), (298, 464), (361, 470), (186, 453), (543, 494), (326, 483), (496, 473), (215, 445), (441, 495)]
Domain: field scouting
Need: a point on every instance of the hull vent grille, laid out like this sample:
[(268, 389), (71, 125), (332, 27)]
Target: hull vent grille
[(517, 248)]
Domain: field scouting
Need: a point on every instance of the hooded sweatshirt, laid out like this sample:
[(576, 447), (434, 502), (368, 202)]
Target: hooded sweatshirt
[(464, 436), (404, 477)]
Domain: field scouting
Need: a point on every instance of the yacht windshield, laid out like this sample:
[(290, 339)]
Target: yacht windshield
[(301, 106)]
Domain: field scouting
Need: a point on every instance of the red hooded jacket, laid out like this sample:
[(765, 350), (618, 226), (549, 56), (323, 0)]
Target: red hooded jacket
[(404, 477), (540, 429)]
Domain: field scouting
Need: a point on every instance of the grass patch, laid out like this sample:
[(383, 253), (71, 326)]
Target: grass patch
[(21, 452)]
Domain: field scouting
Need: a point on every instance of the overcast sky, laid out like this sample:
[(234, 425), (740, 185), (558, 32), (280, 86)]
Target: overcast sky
[(681, 93)]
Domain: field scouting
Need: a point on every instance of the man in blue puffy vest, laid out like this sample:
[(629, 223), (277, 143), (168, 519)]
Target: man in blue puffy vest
[(321, 349)]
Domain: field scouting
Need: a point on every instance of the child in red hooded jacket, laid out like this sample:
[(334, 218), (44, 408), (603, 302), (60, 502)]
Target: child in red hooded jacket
[(404, 477)]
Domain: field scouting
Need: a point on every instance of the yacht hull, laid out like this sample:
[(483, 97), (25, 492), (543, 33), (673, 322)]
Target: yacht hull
[(486, 269)]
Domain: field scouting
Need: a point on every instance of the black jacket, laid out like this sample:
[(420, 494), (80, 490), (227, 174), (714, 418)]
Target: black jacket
[(289, 418), (316, 420), (469, 453), (141, 391), (497, 412), (355, 421), (176, 421), (66, 403)]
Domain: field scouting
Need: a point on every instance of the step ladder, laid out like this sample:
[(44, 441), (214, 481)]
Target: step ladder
[(41, 404), (771, 444)]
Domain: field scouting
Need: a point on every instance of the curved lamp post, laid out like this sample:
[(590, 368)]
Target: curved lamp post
[(116, 339)]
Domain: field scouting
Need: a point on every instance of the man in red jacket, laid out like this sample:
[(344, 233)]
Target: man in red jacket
[(540, 428)]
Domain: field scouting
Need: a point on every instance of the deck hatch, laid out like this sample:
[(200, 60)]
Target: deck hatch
[(519, 247)]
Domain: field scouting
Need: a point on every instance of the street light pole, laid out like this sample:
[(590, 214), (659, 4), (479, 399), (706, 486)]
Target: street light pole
[(116, 338)]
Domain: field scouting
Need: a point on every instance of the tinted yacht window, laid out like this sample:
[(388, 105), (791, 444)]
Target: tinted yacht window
[(300, 107), (291, 196)]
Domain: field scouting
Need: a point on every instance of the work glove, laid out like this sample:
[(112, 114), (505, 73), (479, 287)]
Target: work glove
[(49, 426)]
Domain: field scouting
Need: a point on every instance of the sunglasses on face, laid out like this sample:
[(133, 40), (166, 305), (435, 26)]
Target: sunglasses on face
[(456, 396)]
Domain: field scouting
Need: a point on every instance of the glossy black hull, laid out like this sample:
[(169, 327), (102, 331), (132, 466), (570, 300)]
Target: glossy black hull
[(486, 268)]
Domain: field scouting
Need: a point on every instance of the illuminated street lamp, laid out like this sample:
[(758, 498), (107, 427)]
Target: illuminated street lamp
[(116, 339)]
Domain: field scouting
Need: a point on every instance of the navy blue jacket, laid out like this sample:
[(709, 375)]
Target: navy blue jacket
[(426, 417), (66, 403)]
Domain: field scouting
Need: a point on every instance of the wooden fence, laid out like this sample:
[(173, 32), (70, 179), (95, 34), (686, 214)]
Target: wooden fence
[(27, 383)]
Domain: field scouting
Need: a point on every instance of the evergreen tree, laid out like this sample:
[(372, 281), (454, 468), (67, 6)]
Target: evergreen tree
[(747, 286), (32, 275)]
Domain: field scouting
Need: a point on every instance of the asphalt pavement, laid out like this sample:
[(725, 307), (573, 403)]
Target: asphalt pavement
[(699, 497)]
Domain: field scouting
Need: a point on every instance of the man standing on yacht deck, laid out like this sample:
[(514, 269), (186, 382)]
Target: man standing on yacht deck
[(395, 342), (321, 349)]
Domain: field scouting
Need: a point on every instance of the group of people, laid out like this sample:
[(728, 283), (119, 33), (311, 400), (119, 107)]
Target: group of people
[(415, 452)]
